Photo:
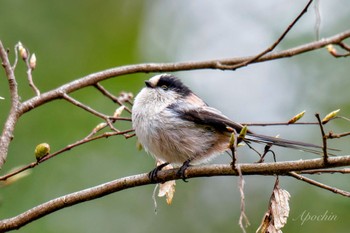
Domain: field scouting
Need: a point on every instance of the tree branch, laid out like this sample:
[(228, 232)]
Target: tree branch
[(274, 45), (94, 78), (85, 140), (324, 140), (318, 184), (7, 133), (278, 168), (110, 96), (322, 171)]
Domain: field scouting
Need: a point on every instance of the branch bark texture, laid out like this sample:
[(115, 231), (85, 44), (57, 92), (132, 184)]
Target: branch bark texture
[(222, 64), (279, 168), (7, 133)]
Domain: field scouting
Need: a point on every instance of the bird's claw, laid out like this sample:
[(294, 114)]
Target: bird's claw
[(182, 170), (153, 175)]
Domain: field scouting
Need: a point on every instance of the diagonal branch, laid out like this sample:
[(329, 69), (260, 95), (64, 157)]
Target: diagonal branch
[(274, 45), (94, 78), (86, 108), (111, 96), (323, 171), (318, 184), (278, 168), (90, 110), (85, 140)]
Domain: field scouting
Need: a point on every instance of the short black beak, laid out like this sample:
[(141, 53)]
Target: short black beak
[(148, 84)]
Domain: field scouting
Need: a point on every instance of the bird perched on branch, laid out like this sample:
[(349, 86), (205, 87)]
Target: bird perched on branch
[(177, 127)]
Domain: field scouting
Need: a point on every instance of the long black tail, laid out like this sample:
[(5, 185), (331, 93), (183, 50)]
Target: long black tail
[(297, 145)]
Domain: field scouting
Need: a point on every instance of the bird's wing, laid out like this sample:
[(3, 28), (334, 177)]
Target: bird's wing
[(208, 116), (212, 117)]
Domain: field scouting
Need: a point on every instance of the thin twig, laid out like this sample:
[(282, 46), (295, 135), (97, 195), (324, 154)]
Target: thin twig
[(273, 46), (278, 123), (120, 118), (16, 56), (17, 171), (332, 135), (323, 171), (324, 140), (233, 146), (90, 110), (30, 64), (320, 185), (30, 76), (344, 46), (115, 99), (103, 125), (116, 117), (30, 80), (85, 107), (83, 141), (333, 51), (68, 147), (341, 117)]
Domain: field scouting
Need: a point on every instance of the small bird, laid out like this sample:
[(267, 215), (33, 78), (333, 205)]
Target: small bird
[(177, 127)]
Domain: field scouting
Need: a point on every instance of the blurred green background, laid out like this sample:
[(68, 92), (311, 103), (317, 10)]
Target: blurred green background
[(75, 38)]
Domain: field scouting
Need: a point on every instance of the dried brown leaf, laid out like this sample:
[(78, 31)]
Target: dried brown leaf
[(276, 216), (167, 189), (280, 207)]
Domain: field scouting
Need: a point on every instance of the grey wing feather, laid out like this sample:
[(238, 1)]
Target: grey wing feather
[(209, 116), (212, 117)]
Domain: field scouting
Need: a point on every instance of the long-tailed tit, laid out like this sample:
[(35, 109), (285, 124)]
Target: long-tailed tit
[(177, 127)]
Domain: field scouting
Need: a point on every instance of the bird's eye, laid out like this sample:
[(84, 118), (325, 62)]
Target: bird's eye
[(164, 87)]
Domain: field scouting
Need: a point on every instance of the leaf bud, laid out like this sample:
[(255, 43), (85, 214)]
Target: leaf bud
[(41, 150)]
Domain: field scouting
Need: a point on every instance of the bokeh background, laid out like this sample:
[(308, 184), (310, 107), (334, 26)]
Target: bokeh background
[(74, 38)]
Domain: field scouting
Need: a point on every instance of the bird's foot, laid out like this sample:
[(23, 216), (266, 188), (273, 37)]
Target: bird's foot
[(182, 170), (153, 175)]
